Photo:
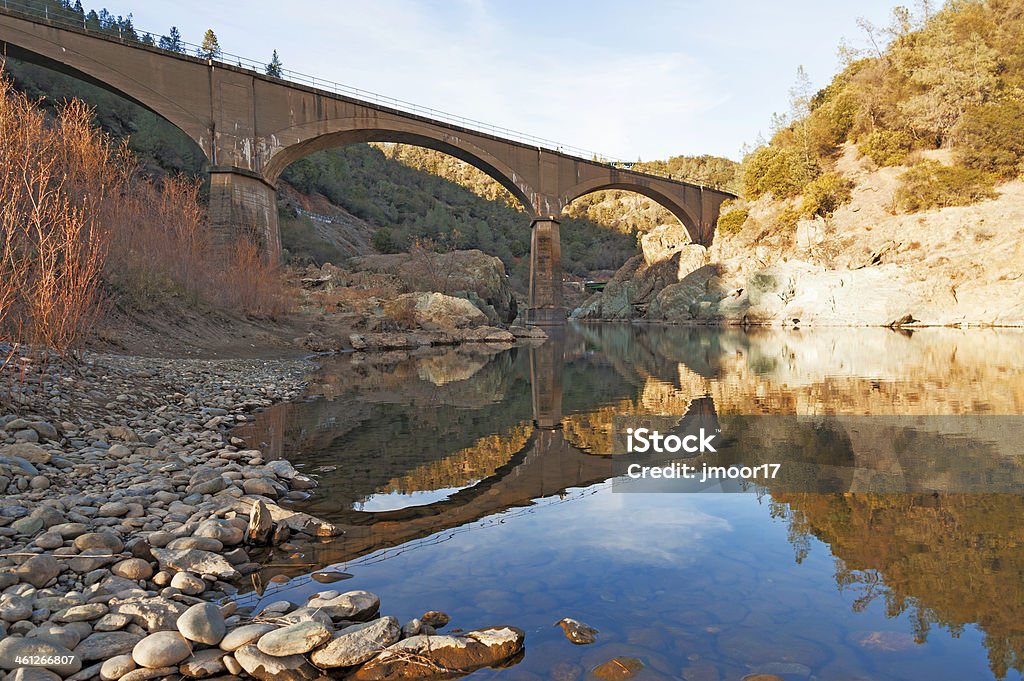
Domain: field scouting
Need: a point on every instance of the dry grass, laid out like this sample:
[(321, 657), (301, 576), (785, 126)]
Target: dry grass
[(53, 251), (76, 221)]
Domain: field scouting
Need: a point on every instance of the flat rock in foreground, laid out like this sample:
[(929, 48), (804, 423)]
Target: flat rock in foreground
[(197, 562), (442, 657), (295, 520)]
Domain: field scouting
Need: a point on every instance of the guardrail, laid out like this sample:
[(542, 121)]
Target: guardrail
[(318, 217), (149, 39)]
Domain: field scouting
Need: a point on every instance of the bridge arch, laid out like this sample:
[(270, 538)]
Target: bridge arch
[(283, 148), (690, 221), (107, 76)]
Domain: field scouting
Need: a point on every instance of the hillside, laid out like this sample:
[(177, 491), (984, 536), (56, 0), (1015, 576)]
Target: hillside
[(402, 205), (890, 197)]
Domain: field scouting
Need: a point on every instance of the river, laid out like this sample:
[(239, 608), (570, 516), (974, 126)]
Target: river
[(483, 484)]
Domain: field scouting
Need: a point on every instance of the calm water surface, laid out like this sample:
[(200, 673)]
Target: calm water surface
[(480, 484)]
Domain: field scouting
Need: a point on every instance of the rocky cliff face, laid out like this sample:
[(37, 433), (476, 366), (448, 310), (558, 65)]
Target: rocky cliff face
[(864, 267), (668, 259)]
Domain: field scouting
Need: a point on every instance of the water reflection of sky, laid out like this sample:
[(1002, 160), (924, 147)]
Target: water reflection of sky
[(680, 581), (392, 501), (704, 587)]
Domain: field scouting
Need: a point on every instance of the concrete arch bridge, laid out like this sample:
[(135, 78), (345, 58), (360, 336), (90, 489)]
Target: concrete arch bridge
[(252, 126)]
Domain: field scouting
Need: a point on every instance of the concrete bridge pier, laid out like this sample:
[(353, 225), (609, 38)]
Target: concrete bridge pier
[(244, 205), (547, 362), (545, 300)]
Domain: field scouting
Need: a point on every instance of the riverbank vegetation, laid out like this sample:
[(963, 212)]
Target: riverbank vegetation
[(84, 232), (951, 80)]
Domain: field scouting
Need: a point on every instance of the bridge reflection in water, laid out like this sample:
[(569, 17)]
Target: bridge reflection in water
[(480, 441), (406, 450), (485, 459)]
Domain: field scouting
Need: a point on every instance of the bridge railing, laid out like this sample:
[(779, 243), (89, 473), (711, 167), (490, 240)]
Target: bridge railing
[(117, 32)]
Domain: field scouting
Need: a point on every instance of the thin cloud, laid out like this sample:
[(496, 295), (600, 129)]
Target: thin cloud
[(652, 79)]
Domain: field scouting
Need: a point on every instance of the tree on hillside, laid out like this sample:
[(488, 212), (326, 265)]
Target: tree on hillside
[(800, 96), (275, 66), (173, 41), (210, 49), (951, 73)]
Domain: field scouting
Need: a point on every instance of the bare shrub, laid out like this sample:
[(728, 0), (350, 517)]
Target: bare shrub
[(53, 251), (77, 219)]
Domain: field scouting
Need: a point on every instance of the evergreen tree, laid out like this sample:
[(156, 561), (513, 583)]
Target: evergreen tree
[(275, 66), (107, 20), (173, 41), (210, 49), (126, 28)]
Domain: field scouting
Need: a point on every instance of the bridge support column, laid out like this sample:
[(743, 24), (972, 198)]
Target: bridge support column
[(244, 205), (547, 362), (545, 305)]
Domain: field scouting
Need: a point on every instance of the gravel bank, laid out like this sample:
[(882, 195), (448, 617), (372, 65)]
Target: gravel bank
[(127, 518)]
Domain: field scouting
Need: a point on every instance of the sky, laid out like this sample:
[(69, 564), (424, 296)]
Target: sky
[(643, 79)]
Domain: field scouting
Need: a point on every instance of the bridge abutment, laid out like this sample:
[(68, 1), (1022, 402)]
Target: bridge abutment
[(243, 205), (545, 300)]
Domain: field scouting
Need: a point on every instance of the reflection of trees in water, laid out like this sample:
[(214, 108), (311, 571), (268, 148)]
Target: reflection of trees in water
[(481, 460), (948, 560)]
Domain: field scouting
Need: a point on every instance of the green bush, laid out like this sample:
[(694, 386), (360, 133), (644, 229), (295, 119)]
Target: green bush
[(831, 123), (385, 242), (991, 138), (302, 243), (932, 185), (788, 218), (732, 221), (886, 147), (825, 194), (777, 170)]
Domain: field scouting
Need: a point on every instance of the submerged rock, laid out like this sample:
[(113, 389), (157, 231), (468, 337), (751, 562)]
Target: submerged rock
[(618, 669), (330, 576), (578, 632)]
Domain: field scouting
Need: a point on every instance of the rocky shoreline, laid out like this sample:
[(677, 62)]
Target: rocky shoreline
[(130, 516)]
